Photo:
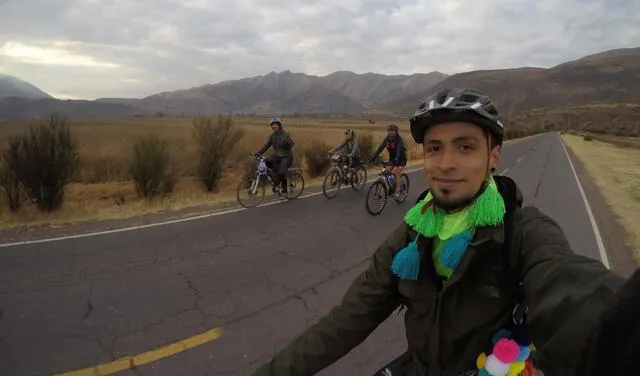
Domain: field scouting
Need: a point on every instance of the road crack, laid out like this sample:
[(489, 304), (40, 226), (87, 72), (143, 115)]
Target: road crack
[(89, 304)]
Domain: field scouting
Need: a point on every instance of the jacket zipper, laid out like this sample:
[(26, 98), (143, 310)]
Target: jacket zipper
[(435, 343)]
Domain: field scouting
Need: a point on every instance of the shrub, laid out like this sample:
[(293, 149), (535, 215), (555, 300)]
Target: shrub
[(43, 161), (12, 189), (151, 166), (316, 157), (586, 137), (215, 145), (366, 146)]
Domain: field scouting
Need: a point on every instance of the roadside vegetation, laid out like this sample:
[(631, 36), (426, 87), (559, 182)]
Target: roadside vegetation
[(613, 162), (57, 170)]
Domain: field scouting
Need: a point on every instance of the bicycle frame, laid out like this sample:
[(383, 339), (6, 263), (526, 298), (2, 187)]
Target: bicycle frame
[(261, 170), (340, 164), (385, 174)]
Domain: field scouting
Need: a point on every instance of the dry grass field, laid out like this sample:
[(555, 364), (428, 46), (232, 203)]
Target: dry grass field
[(101, 187), (616, 171)]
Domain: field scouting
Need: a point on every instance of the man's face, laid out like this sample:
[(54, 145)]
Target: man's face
[(347, 136), (275, 127), (391, 133), (456, 161)]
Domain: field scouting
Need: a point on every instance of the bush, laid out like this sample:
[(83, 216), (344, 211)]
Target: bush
[(215, 145), (586, 137), (43, 161), (151, 166), (366, 146), (12, 189), (316, 157)]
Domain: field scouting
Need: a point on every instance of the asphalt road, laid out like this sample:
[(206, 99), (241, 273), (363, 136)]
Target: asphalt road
[(263, 275)]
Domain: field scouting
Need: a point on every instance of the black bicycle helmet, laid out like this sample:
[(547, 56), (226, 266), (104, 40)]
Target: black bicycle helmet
[(451, 105), (350, 132), (392, 127)]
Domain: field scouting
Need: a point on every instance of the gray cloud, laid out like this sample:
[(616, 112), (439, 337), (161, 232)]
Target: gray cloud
[(107, 48)]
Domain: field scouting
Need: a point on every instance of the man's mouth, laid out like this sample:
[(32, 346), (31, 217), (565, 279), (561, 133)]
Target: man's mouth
[(447, 182)]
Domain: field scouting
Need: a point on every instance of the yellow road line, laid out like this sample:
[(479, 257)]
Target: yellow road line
[(129, 362)]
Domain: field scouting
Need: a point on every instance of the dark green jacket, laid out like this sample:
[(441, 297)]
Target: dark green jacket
[(446, 330), (281, 142)]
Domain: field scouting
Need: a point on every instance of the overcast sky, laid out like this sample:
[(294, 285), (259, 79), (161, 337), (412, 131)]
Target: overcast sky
[(132, 48)]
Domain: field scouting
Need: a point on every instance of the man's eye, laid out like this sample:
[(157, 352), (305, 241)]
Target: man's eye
[(431, 149), (467, 147)]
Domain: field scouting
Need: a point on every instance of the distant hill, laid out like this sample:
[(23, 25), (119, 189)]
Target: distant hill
[(607, 77), (13, 87), (286, 92)]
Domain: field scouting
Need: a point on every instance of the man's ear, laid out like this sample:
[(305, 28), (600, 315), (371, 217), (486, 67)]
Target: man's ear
[(495, 156)]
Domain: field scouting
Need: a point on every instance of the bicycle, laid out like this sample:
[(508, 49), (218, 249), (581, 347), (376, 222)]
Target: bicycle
[(383, 186), (255, 185), (341, 174)]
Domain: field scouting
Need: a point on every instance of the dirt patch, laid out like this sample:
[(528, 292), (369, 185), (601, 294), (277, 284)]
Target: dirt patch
[(616, 173)]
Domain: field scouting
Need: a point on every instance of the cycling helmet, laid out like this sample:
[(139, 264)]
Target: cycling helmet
[(455, 104), (275, 121), (350, 132), (392, 127)]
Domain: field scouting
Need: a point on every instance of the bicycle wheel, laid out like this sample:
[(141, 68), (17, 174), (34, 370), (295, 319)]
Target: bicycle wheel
[(378, 192), (331, 184), (404, 188), (295, 185), (359, 178), (254, 190)]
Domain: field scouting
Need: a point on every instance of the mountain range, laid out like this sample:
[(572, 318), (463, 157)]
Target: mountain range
[(607, 77)]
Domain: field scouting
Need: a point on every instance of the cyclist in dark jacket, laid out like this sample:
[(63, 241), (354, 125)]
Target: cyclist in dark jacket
[(394, 143), (488, 287), (279, 162)]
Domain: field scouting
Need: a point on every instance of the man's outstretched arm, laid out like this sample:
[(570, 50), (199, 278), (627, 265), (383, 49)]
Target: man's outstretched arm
[(370, 299), (266, 145), (566, 294)]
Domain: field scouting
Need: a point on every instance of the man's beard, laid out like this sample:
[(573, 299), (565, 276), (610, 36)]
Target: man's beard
[(449, 205)]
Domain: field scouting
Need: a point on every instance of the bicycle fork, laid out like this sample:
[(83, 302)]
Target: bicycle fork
[(255, 184)]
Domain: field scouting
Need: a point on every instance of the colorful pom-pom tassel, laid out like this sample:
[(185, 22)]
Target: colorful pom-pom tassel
[(495, 367), (406, 263), (524, 353), (481, 360), (506, 350), (515, 368), (502, 333), (454, 248)]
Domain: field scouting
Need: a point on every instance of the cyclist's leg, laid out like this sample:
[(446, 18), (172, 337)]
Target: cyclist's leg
[(397, 170), (272, 162), (285, 163), (398, 367)]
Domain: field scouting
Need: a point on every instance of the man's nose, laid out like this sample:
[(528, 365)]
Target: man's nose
[(448, 160)]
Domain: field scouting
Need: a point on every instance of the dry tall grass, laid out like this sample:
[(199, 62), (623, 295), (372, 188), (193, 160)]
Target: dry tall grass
[(101, 187)]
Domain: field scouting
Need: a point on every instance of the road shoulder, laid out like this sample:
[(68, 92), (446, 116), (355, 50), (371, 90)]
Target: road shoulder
[(614, 236)]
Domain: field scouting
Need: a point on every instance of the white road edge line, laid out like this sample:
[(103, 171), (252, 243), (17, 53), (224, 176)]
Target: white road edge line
[(173, 221), (594, 225), (187, 219)]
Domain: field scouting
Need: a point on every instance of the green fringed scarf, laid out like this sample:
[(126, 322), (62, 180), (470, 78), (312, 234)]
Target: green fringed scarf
[(427, 219)]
